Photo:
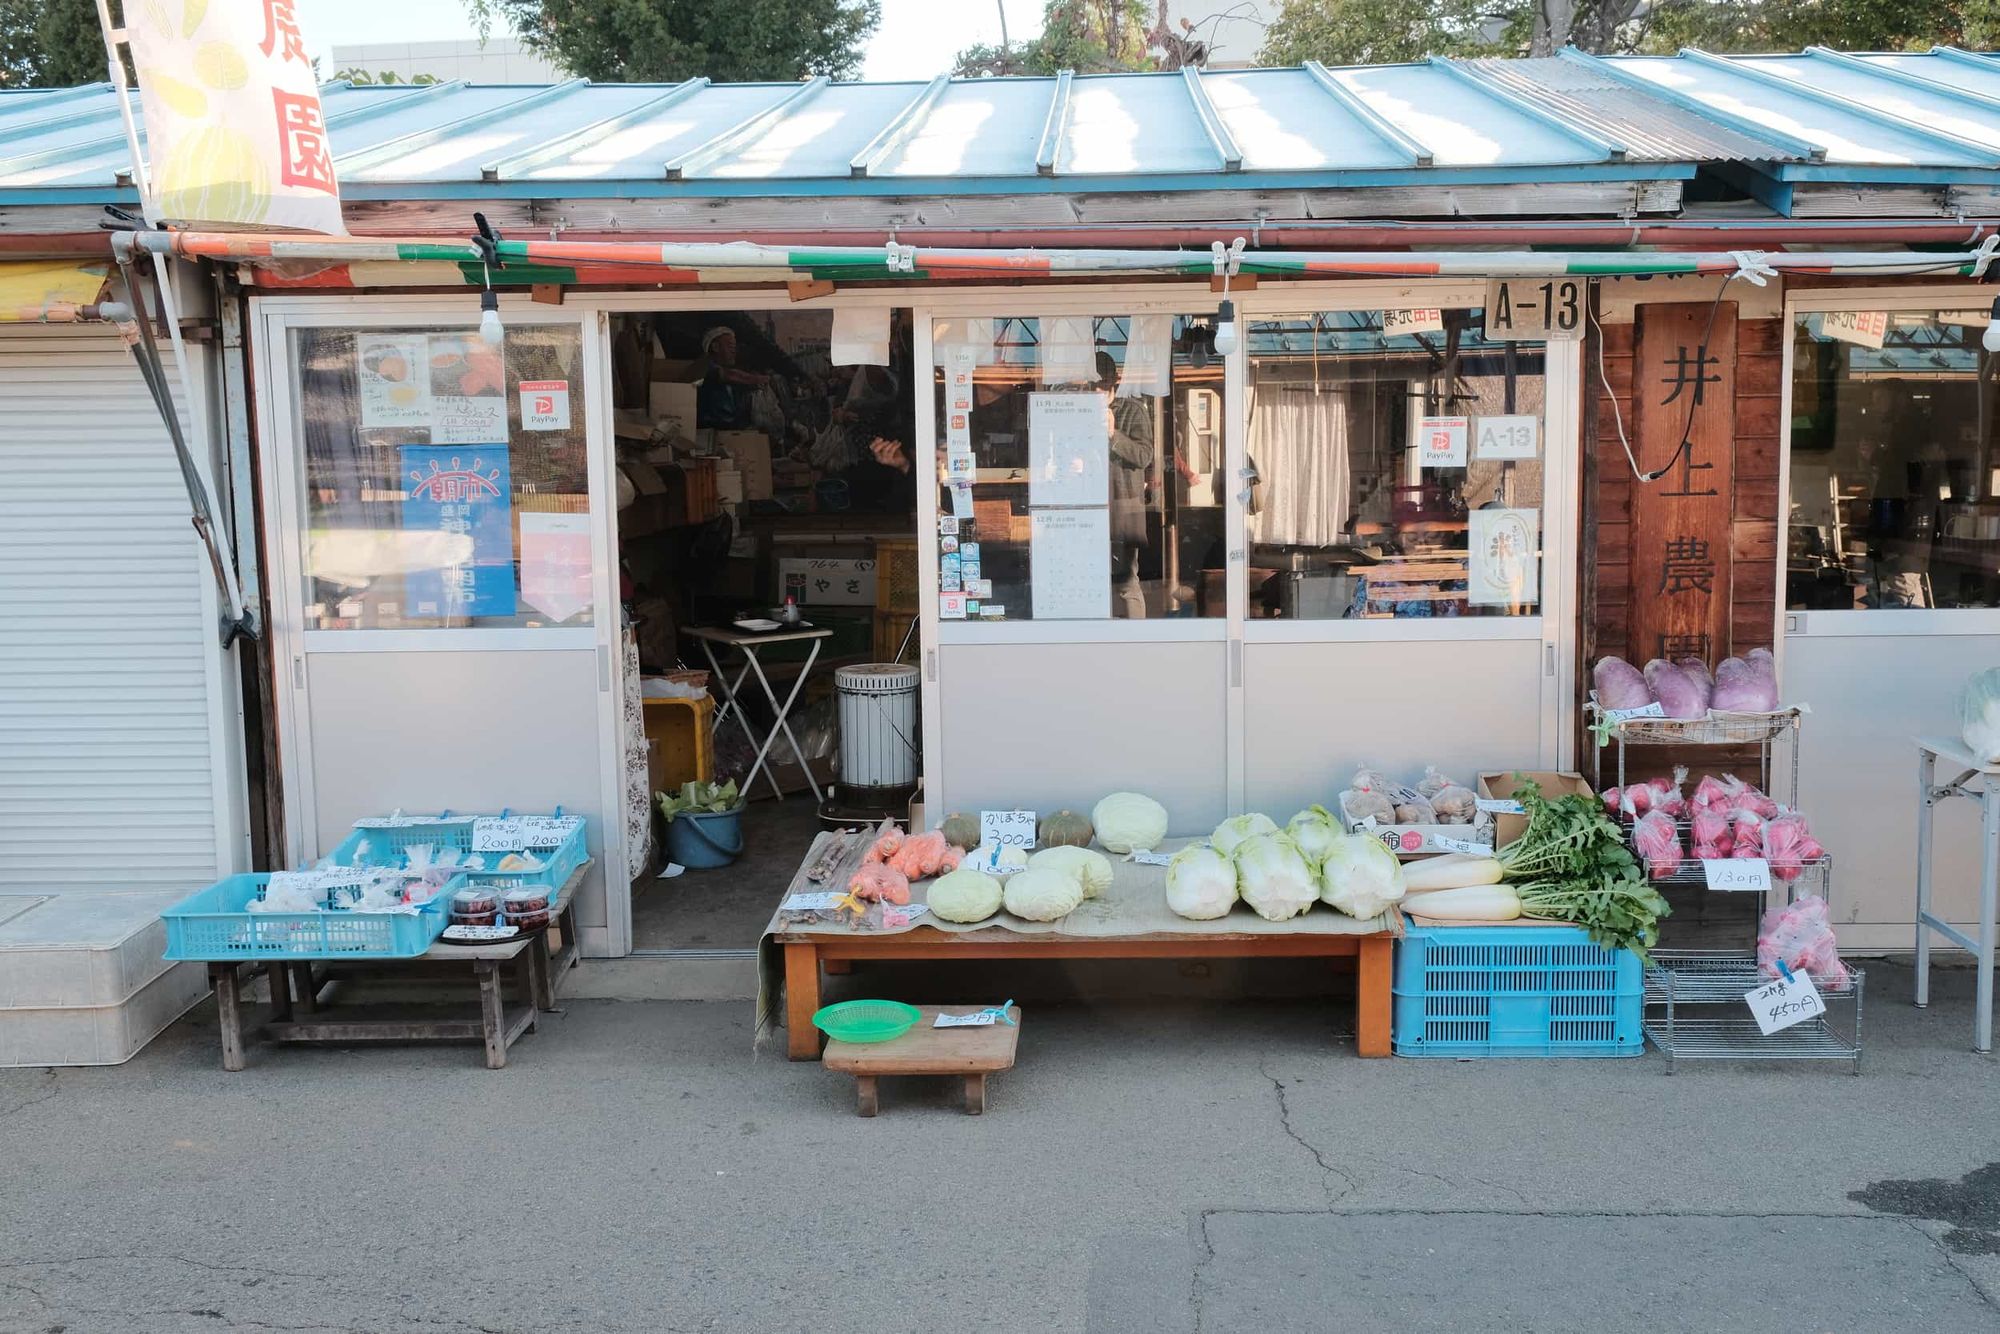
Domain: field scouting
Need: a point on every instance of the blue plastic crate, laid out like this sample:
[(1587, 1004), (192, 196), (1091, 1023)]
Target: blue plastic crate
[(1468, 991), (390, 846), (215, 925)]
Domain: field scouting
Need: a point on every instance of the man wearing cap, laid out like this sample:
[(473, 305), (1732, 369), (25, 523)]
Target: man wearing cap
[(723, 400)]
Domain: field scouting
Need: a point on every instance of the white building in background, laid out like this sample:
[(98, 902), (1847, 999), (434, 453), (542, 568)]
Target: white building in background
[(1233, 29), (496, 60)]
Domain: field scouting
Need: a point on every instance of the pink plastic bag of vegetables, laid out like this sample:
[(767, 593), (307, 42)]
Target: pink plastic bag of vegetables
[(1746, 685), (1710, 832), (1618, 685), (1678, 695), (1746, 831), (1801, 934), (1657, 839), (1789, 844)]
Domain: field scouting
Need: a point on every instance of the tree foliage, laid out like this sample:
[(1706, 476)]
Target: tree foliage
[(1087, 36), (660, 41), (50, 44), (1352, 32)]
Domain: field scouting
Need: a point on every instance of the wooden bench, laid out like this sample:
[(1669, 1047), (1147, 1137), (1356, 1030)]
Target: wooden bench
[(971, 1053), (807, 953)]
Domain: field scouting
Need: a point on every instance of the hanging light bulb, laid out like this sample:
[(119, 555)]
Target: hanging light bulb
[(1225, 329), (1990, 340), (490, 329)]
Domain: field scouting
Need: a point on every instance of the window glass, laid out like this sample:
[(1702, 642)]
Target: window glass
[(1080, 464), (1395, 474), (1895, 482), (445, 479)]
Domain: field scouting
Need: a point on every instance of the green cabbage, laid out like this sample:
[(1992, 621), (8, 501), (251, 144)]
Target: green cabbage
[(1201, 883), (1230, 833), (1091, 868), (1273, 878), (964, 895), (1314, 829), (1042, 895), (1129, 822), (1360, 877)]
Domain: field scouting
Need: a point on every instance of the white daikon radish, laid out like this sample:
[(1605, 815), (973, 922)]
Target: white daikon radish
[(1454, 870), (1472, 903)]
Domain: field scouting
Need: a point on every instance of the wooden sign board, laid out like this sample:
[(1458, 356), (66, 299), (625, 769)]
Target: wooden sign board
[(1683, 390)]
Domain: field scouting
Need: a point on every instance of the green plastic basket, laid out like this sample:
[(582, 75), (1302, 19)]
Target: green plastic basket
[(866, 1020)]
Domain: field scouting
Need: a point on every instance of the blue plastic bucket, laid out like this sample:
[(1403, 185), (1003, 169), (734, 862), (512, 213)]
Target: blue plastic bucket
[(704, 840)]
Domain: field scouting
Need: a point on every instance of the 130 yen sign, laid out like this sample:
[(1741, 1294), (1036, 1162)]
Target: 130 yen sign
[(1790, 1000)]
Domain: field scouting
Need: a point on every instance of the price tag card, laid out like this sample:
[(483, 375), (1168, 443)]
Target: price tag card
[(546, 831), (983, 1019), (1653, 710), (812, 901), (1150, 858), (1790, 1000), (1007, 829), (1507, 438), (1445, 844), (1738, 875), (493, 834), (1500, 806)]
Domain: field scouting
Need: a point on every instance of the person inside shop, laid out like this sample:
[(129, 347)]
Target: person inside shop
[(879, 410), (1130, 422), (722, 401)]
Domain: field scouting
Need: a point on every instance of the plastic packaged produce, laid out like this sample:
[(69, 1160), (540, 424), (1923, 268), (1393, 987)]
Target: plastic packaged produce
[(1273, 878), (964, 896), (1360, 877), (1979, 715), (1746, 832), (1041, 895), (1619, 685), (921, 855), (1789, 844), (1201, 883), (1454, 802), (1746, 685), (1679, 697), (1697, 671), (875, 883), (1231, 833), (1413, 809), (1710, 831), (1658, 840), (1801, 934)]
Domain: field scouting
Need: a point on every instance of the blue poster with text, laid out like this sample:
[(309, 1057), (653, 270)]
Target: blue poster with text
[(464, 494)]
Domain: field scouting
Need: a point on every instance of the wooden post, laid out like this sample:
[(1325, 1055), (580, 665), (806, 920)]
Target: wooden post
[(975, 1095), (492, 1015), (866, 1095), (281, 991), (801, 1000), (1372, 999), (229, 1013)]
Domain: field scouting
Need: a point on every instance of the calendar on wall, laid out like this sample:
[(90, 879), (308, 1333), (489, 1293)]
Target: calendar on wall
[(1070, 561)]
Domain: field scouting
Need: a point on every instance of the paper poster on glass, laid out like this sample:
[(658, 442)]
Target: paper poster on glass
[(468, 391), (1504, 557), (466, 496), (1440, 441), (1068, 349), (394, 375), (1149, 357), (1069, 554), (1069, 449), (555, 564)]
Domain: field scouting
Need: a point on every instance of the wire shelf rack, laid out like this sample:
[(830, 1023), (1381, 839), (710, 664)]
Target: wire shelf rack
[(1719, 728), (1694, 1010), (1806, 875)]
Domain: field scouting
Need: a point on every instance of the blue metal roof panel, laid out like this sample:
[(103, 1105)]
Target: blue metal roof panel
[(641, 151), (1132, 124), (1284, 121), (1849, 135), (816, 138), (1461, 125), (977, 127), (1942, 110)]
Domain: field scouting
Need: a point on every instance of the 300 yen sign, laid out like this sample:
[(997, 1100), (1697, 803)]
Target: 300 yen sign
[(1007, 828)]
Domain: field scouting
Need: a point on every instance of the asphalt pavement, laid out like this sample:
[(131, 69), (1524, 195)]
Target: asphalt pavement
[(1150, 1167)]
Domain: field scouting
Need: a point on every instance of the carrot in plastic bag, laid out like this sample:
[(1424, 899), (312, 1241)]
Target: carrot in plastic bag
[(880, 884)]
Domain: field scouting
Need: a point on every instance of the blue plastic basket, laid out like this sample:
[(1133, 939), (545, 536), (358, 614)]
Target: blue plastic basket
[(388, 847), (215, 925), (1468, 991)]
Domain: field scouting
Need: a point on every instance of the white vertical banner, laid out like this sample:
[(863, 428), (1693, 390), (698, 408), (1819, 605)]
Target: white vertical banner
[(235, 138), (1149, 357)]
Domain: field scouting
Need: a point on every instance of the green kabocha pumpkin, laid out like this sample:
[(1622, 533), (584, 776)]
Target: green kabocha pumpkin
[(1065, 829), (961, 830)]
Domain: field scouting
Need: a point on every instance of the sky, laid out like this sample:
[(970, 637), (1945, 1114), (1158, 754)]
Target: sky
[(917, 39)]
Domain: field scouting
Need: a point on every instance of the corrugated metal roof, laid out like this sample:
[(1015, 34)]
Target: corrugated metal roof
[(1817, 115)]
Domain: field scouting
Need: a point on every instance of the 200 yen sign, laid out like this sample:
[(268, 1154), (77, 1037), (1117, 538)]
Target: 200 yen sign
[(1535, 309)]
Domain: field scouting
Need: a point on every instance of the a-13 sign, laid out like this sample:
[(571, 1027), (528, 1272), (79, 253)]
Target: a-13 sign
[(1535, 309)]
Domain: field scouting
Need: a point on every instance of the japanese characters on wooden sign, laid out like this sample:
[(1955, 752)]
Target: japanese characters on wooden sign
[(1683, 421)]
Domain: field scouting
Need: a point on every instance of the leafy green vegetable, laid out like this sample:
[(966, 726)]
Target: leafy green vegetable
[(701, 798), (1572, 865)]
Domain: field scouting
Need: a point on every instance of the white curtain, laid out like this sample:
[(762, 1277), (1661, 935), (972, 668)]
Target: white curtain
[(1299, 440)]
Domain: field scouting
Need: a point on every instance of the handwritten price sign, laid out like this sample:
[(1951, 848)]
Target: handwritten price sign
[(1005, 829), (1790, 1000), (1738, 875)]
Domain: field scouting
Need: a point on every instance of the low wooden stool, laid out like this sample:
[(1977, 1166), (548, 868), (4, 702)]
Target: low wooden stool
[(926, 1049)]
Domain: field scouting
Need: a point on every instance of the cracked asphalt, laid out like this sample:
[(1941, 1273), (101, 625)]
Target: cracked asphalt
[(1148, 1168)]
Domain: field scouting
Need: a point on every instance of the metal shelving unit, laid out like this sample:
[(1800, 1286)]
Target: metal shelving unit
[(1694, 1006)]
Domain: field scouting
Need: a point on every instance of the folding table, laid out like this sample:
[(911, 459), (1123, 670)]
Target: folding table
[(1980, 782), (749, 644)]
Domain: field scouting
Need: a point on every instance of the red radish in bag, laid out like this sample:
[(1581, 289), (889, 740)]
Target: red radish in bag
[(1657, 839), (1746, 828), (1788, 843), (1712, 839)]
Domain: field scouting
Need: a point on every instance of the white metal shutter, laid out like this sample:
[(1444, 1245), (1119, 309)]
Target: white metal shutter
[(110, 681)]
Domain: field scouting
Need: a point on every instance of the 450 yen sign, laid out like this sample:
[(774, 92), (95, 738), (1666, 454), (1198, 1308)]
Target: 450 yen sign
[(1535, 309)]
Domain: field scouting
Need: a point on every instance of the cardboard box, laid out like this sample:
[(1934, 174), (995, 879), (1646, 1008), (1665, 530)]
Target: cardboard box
[(1508, 826), (751, 451), (1423, 840), (728, 486), (672, 405)]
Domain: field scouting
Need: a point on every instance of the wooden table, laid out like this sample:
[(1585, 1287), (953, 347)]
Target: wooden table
[(972, 1053), (498, 1026), (807, 953)]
